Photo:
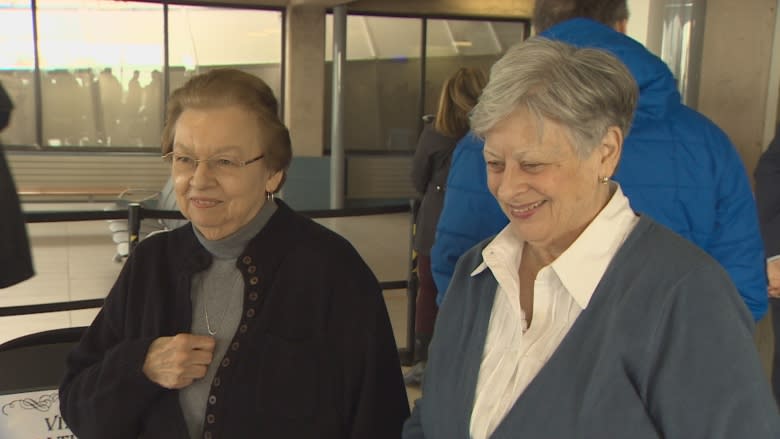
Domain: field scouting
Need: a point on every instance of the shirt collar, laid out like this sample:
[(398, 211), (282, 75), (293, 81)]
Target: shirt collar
[(581, 266)]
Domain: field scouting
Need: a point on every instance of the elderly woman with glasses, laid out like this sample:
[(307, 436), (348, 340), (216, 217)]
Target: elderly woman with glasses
[(582, 318), (251, 321)]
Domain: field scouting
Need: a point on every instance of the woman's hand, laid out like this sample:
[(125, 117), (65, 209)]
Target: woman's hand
[(175, 362), (773, 275)]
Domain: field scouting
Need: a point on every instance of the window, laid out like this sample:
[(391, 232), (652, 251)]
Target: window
[(382, 74), (382, 111), (452, 44), (17, 66), (100, 85), (102, 68), (203, 38)]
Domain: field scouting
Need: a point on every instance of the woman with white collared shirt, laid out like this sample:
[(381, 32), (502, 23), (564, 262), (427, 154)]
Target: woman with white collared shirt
[(582, 318)]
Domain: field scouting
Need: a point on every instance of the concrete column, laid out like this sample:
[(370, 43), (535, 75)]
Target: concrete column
[(304, 78), (337, 163), (735, 67)]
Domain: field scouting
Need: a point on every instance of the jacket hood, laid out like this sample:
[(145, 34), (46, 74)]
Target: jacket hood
[(657, 86)]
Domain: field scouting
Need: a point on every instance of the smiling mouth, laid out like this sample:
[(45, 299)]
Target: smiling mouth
[(198, 202), (527, 208)]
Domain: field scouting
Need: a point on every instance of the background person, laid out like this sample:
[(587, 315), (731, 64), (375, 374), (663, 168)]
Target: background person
[(677, 166), (582, 318), (15, 258), (768, 201), (429, 175), (251, 321)]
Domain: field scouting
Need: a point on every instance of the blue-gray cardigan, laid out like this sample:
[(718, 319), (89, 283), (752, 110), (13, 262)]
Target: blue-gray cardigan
[(664, 349)]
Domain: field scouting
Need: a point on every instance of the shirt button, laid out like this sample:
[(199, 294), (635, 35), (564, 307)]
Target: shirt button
[(234, 346), (212, 399), (242, 329), (251, 269), (210, 419), (250, 313), (254, 280), (217, 381), (253, 296), (226, 362), (247, 260)]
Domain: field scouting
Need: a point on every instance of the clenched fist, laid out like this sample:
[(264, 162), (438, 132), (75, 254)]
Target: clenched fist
[(175, 362)]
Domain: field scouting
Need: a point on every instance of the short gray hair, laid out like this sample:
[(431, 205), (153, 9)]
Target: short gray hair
[(585, 90)]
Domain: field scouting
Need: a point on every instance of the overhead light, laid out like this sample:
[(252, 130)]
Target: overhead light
[(463, 43)]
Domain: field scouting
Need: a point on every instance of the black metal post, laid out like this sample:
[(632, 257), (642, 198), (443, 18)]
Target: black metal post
[(133, 225), (407, 354)]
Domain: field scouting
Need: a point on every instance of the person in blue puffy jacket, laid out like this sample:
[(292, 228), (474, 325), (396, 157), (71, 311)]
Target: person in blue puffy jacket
[(677, 166)]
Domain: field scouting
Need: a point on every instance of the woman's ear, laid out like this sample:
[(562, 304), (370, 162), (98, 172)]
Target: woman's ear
[(610, 149), (274, 182)]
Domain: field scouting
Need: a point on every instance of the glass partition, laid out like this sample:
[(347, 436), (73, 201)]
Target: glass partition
[(451, 44), (100, 74), (101, 65), (384, 68), (203, 38), (382, 74), (17, 67)]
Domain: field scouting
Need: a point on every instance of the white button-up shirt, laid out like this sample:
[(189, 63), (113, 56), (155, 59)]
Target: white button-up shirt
[(514, 353)]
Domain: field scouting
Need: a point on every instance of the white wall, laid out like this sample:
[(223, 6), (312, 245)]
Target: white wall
[(645, 23)]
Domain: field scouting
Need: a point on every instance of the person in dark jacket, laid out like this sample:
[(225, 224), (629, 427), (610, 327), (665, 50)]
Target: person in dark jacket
[(15, 257), (677, 166), (429, 175), (767, 176), (583, 318), (252, 320)]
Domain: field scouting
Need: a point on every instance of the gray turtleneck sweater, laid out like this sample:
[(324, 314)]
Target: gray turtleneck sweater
[(216, 308)]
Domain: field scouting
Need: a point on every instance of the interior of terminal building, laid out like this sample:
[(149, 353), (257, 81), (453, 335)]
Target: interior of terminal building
[(90, 79)]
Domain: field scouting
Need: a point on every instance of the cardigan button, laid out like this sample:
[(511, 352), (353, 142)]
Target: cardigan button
[(247, 260), (254, 280), (252, 269), (250, 313), (212, 399), (242, 329), (253, 296), (211, 418), (207, 435), (226, 362), (217, 381), (234, 346)]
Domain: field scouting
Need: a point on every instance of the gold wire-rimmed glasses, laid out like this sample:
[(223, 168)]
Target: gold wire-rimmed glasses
[(184, 163)]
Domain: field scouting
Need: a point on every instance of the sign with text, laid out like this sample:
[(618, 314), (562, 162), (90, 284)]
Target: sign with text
[(32, 415)]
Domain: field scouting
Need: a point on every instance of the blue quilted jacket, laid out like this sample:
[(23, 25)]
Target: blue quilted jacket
[(677, 167)]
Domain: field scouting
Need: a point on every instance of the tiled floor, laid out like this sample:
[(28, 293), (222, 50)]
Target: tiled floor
[(75, 261)]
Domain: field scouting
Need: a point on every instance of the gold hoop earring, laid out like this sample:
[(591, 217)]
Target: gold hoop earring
[(269, 195)]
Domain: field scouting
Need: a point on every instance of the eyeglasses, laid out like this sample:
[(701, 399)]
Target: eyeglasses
[(183, 163)]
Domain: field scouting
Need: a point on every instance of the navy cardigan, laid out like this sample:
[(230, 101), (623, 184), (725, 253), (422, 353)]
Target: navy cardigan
[(313, 356)]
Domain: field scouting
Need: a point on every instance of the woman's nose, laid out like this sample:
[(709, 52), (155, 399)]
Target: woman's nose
[(202, 174), (513, 181)]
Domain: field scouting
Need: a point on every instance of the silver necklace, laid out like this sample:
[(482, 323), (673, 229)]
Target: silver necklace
[(208, 325), (224, 313), (214, 331)]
